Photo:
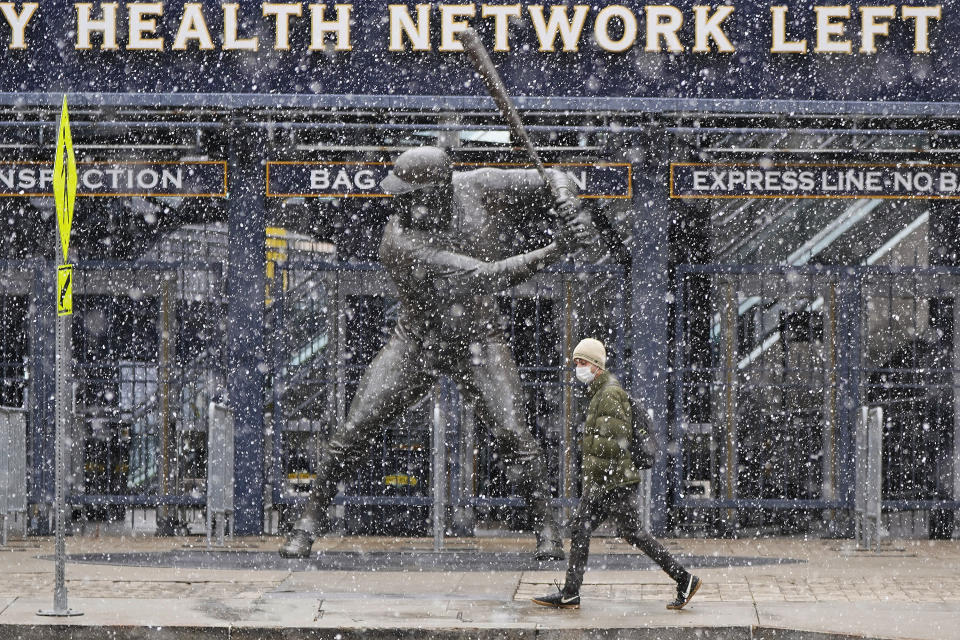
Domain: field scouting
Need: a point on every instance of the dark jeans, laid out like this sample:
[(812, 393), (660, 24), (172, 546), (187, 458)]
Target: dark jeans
[(595, 507)]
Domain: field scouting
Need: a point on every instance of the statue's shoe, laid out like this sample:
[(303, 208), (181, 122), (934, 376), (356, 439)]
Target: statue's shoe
[(549, 547), (297, 545)]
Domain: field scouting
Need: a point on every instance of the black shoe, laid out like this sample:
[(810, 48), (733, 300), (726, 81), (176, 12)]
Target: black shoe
[(297, 545), (559, 600), (685, 592)]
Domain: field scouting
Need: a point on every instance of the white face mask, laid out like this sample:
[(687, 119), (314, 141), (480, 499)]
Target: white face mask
[(584, 374)]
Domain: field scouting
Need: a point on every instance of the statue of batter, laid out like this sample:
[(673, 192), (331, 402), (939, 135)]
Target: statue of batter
[(445, 250)]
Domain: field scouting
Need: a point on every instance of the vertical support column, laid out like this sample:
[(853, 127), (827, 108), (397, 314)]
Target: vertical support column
[(246, 282), (278, 418), (944, 246), (678, 366), (7, 452), (728, 384), (849, 358), (340, 318), (955, 379), (42, 389), (648, 306), (342, 312), (831, 400), (167, 515), (828, 472)]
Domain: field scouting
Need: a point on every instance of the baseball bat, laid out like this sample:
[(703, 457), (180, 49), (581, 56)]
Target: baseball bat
[(491, 78)]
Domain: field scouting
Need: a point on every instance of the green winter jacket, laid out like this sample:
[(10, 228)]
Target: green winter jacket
[(606, 436)]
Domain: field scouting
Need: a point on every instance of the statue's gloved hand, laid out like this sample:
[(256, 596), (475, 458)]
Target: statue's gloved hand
[(567, 207), (566, 204), (573, 234)]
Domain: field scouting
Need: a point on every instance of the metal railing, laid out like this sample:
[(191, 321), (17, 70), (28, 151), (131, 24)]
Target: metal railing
[(147, 361), (770, 366)]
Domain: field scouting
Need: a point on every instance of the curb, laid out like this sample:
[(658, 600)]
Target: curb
[(79, 632)]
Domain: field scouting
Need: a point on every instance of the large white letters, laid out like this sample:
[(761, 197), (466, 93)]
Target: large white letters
[(230, 28), (282, 12), (601, 28), (875, 21), (402, 24), (140, 26), (339, 26), (663, 22), (501, 14), (708, 27), (780, 42), (830, 25), (568, 28), (107, 25), (18, 22), (450, 26), (406, 26), (193, 26), (921, 26)]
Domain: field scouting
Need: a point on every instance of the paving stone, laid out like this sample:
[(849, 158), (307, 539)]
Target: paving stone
[(926, 621)]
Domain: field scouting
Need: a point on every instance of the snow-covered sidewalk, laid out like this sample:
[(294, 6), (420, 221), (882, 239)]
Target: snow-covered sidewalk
[(818, 589)]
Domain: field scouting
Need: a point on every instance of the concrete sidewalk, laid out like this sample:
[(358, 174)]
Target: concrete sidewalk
[(907, 590)]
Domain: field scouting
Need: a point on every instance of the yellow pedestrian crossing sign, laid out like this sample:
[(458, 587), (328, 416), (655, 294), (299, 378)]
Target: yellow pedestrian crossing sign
[(64, 179), (65, 290)]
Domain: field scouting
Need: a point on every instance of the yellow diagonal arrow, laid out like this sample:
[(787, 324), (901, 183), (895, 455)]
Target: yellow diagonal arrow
[(64, 179), (65, 290)]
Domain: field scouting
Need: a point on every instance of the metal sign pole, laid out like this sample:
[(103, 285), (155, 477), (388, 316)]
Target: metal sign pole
[(63, 396), (64, 415), (65, 191)]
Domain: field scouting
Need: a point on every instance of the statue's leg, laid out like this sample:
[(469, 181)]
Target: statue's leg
[(492, 378), (397, 378)]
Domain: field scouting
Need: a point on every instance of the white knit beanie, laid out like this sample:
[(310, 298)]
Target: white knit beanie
[(591, 350)]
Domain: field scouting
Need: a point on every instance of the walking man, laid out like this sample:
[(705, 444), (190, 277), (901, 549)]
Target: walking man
[(609, 482), (447, 250)]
